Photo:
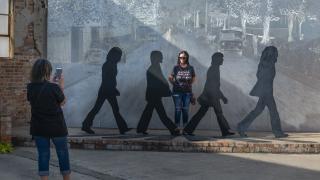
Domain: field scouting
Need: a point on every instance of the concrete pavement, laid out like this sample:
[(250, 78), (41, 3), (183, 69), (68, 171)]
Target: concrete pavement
[(18, 167), (131, 165)]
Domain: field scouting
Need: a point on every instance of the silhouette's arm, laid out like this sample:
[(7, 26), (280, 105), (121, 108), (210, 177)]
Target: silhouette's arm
[(223, 98)]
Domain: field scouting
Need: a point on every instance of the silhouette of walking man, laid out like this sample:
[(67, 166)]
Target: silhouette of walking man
[(264, 90), (108, 91), (157, 87), (210, 97)]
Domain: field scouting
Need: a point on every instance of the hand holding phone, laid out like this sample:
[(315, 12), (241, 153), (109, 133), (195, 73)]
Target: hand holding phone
[(58, 77), (57, 74)]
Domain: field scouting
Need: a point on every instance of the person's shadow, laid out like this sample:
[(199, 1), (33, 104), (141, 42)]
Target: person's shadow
[(157, 87), (108, 91)]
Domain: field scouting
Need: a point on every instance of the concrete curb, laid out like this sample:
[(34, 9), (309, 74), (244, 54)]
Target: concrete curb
[(184, 144)]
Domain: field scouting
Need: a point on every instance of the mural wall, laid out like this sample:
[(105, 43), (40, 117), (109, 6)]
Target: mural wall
[(80, 33)]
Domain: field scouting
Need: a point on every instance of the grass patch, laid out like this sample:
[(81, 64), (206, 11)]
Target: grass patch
[(5, 148)]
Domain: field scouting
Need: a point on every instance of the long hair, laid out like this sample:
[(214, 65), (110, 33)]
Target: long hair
[(114, 55), (186, 53), (269, 55), (41, 71)]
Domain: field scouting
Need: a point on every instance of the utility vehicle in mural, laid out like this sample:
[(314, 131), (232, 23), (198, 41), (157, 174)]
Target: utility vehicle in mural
[(80, 43), (231, 41)]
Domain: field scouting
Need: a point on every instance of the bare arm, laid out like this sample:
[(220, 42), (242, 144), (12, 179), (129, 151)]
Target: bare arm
[(193, 80), (60, 82), (61, 85), (171, 79)]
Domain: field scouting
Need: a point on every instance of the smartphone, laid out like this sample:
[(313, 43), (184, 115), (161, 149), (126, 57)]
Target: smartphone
[(57, 75)]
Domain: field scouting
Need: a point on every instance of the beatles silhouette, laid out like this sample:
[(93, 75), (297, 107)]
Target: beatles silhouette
[(158, 87), (264, 90), (108, 91), (211, 97)]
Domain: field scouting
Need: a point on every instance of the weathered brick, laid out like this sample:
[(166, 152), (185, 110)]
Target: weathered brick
[(14, 72)]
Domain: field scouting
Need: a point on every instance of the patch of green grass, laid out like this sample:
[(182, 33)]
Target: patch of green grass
[(5, 148)]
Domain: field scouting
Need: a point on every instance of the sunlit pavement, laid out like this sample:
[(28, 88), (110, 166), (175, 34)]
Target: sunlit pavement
[(87, 164)]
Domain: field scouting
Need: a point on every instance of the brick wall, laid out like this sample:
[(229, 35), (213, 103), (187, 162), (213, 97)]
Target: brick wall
[(29, 39)]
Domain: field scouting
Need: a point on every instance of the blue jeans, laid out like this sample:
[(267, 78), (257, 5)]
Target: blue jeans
[(43, 147), (181, 102)]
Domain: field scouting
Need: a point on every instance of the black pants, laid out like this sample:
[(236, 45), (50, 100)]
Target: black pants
[(147, 114), (122, 125), (223, 124), (274, 115)]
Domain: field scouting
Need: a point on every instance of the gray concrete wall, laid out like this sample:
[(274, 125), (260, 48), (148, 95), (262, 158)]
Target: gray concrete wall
[(120, 24)]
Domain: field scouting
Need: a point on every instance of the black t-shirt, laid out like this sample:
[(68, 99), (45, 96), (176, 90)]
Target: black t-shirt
[(46, 114), (182, 79)]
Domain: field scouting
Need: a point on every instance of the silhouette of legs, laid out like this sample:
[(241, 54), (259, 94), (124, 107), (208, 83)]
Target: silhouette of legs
[(122, 125), (274, 115), (164, 118), (245, 123), (147, 114), (191, 126), (87, 123), (145, 118), (223, 124)]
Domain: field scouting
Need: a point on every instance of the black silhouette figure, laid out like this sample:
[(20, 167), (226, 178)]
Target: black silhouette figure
[(264, 90), (157, 87), (108, 91), (211, 97)]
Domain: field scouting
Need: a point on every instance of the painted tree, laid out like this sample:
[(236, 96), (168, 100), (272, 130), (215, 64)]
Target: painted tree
[(178, 14), (218, 19), (217, 14), (143, 10), (86, 12), (312, 13), (247, 11), (268, 17), (301, 17), (58, 10), (76, 12), (294, 10)]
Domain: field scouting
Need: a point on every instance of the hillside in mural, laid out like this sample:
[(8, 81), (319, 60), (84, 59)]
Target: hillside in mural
[(80, 33)]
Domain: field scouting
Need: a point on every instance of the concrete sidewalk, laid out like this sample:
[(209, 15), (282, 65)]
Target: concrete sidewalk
[(139, 165), (204, 141), (22, 164)]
